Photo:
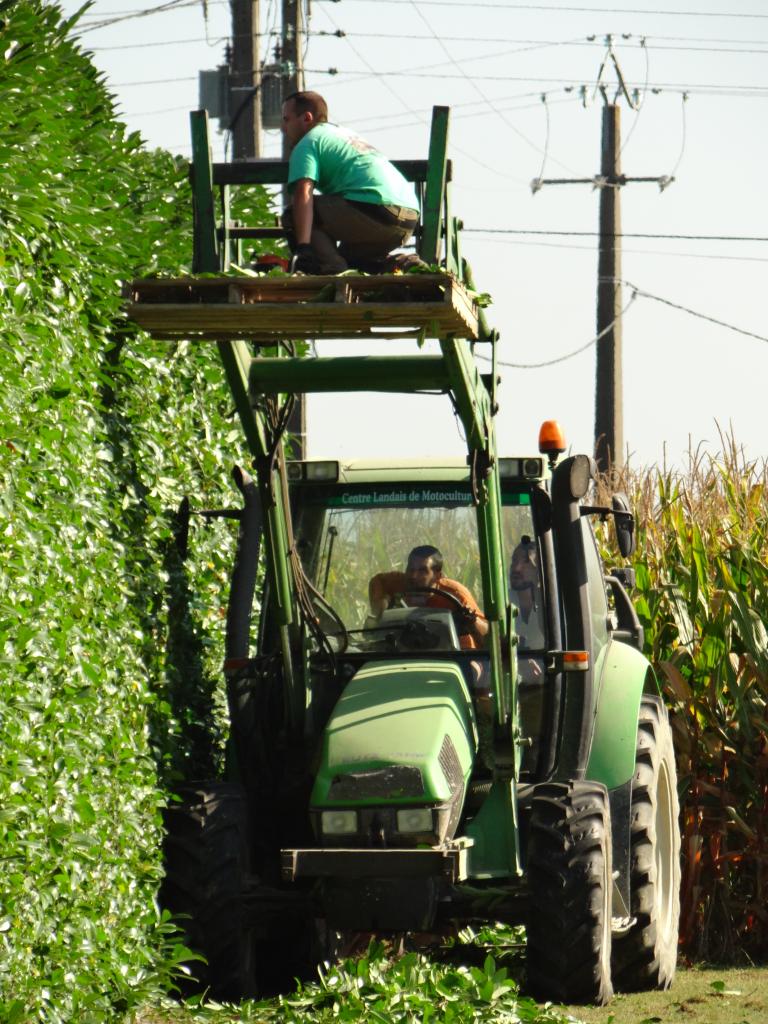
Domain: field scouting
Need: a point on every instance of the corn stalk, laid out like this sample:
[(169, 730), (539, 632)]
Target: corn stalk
[(702, 596)]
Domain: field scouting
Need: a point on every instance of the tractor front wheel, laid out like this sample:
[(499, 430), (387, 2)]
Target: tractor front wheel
[(570, 884), (646, 956), (207, 869)]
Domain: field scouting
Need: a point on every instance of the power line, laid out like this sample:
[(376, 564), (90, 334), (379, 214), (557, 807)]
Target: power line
[(162, 42), (568, 355), (501, 6), (566, 82), (557, 7), (692, 312), (179, 42), (140, 13), (373, 127), (636, 293), (623, 234), (473, 83), (709, 39), (527, 45), (157, 113), (154, 81), (387, 85), (666, 253), (749, 46)]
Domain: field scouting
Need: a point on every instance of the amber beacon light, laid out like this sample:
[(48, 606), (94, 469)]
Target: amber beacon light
[(551, 440)]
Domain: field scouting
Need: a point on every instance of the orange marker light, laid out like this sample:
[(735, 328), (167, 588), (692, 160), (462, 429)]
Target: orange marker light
[(551, 438), (575, 661)]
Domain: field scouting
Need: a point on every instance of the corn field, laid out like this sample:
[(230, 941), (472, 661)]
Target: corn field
[(702, 596)]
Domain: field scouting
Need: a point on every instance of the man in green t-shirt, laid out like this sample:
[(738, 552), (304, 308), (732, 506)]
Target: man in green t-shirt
[(363, 208)]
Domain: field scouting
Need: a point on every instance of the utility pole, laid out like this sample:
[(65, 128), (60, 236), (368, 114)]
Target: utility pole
[(245, 80), (291, 57), (291, 51), (609, 411), (609, 418)]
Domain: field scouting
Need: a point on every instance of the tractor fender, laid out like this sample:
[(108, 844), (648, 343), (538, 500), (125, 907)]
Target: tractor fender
[(623, 675)]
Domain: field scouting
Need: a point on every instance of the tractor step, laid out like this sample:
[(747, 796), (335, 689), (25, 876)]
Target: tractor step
[(268, 308), (449, 862)]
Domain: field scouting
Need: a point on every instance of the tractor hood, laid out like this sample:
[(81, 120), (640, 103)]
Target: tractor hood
[(402, 734)]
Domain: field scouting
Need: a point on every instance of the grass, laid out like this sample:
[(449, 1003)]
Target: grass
[(700, 995)]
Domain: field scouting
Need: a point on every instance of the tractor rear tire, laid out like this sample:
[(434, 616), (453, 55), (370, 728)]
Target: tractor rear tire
[(646, 956), (207, 870), (570, 884)]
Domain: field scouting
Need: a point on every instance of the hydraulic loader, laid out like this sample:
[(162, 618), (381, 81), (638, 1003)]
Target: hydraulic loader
[(371, 790)]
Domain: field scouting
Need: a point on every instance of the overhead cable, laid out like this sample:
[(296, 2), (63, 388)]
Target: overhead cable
[(620, 234), (592, 249), (691, 312), (568, 355), (558, 7), (526, 45), (707, 88), (479, 91), (506, 7), (131, 15), (636, 293)]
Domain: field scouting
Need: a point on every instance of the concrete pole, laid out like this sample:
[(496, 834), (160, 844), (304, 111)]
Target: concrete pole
[(245, 105), (609, 417), (291, 55)]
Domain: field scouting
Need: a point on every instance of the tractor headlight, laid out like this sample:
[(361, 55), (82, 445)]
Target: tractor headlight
[(415, 819), (338, 823)]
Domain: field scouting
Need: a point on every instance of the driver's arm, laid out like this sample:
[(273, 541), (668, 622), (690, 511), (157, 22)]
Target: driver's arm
[(382, 588), (477, 624), (480, 626)]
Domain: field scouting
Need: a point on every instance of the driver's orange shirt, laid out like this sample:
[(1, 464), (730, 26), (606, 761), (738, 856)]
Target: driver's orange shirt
[(395, 584)]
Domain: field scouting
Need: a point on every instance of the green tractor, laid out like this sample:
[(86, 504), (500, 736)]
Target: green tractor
[(393, 768)]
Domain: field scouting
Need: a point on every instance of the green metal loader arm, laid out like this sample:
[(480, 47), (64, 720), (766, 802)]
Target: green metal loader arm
[(256, 380)]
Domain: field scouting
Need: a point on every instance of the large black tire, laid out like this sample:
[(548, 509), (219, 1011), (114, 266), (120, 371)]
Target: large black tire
[(207, 871), (646, 956), (570, 886)]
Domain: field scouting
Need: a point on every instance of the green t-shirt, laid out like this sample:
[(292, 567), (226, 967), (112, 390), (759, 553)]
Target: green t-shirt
[(342, 164)]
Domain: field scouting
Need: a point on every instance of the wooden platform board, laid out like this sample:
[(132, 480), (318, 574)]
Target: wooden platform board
[(266, 309)]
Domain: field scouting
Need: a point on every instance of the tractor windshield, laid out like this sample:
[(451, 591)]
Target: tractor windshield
[(354, 544)]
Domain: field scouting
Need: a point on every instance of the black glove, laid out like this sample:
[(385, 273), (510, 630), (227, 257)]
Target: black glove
[(304, 260)]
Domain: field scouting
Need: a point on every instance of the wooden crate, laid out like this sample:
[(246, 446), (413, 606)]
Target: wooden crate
[(266, 309)]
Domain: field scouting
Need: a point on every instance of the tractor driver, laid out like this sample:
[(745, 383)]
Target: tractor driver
[(424, 569)]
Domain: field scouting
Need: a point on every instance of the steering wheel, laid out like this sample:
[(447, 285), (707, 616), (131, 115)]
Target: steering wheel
[(458, 611)]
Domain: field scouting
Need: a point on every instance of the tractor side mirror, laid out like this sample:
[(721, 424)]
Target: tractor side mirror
[(580, 476), (625, 525)]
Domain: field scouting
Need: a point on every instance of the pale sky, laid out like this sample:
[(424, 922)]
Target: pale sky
[(492, 62)]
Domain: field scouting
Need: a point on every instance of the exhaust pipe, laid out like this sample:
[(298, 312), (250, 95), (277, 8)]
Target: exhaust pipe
[(240, 606)]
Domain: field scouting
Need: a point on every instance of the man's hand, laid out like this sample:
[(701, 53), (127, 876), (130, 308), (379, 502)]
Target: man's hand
[(475, 622), (468, 616), (304, 261)]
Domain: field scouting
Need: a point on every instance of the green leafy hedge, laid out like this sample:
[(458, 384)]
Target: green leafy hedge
[(102, 432)]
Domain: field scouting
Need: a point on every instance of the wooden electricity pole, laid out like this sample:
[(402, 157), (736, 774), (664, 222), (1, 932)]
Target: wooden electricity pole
[(291, 57), (609, 420), (609, 413), (245, 101), (291, 53)]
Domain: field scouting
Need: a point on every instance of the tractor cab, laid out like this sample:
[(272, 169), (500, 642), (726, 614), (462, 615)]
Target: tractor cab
[(355, 525)]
